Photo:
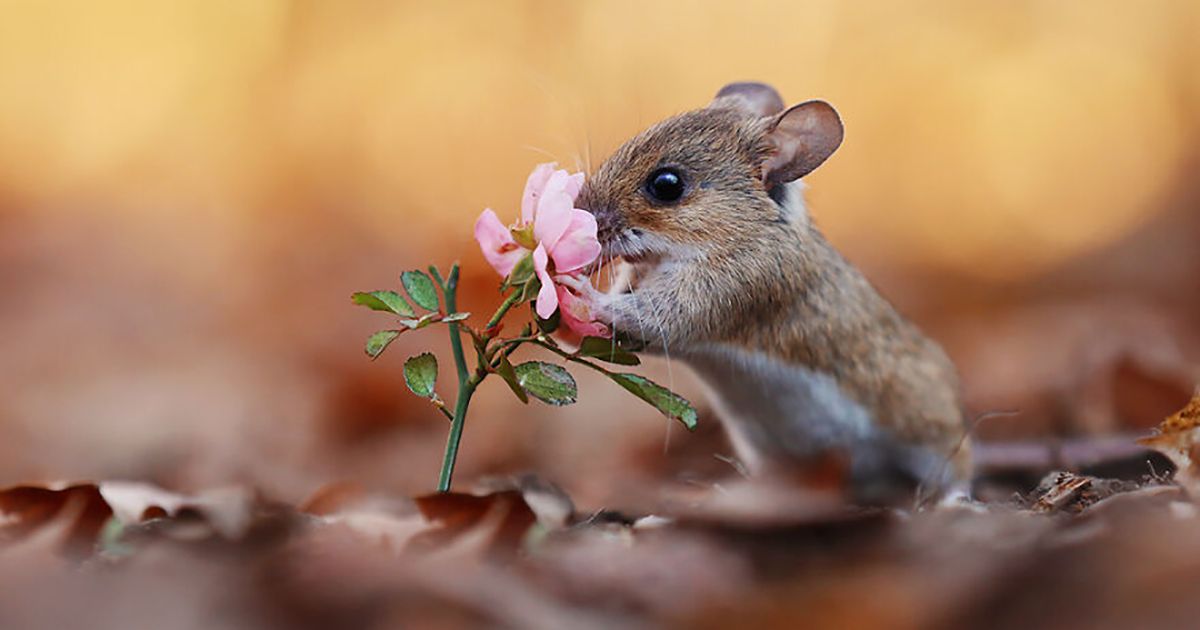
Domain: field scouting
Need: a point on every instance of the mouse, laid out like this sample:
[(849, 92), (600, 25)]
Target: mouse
[(798, 352)]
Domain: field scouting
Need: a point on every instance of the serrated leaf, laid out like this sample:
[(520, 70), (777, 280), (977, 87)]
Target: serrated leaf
[(669, 403), (421, 289), (420, 372), (417, 324), (547, 382), (386, 301), (606, 350), (455, 317), (378, 342), (506, 372)]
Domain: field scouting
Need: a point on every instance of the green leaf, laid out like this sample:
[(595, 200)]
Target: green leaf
[(455, 317), (420, 288), (671, 405), (547, 382), (605, 350), (420, 372), (530, 290), (521, 273), (387, 301), (506, 372), (379, 342)]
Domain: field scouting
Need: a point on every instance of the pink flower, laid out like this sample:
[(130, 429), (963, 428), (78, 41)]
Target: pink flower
[(576, 314), (552, 228)]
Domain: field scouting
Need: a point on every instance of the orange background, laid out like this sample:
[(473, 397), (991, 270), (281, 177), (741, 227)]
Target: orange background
[(190, 190)]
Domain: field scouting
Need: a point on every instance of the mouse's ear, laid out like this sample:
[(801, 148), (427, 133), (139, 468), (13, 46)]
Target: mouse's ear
[(757, 98), (801, 139)]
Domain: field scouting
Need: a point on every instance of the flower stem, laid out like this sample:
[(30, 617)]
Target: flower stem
[(465, 391), (509, 302), (449, 291), (466, 383)]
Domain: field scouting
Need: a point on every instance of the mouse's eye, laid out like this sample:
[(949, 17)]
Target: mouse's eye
[(665, 185)]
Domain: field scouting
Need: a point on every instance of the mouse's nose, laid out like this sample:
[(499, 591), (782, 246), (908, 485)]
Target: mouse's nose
[(607, 223)]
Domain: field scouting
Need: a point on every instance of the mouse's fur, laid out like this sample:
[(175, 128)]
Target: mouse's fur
[(799, 351)]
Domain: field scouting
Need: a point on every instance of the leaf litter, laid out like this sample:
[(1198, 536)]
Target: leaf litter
[(1078, 551)]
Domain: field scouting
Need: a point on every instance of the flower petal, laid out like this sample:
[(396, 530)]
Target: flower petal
[(574, 185), (533, 190), (578, 247), (553, 214), (576, 314), (496, 243), (547, 299)]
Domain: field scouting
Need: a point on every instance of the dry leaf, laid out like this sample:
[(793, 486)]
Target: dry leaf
[(333, 497), (483, 524), (1178, 438), (27, 508), (228, 510)]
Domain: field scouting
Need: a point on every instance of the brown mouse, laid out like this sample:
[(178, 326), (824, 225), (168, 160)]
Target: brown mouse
[(800, 354)]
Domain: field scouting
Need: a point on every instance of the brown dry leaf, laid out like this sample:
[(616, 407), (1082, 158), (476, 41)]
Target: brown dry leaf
[(487, 524), (228, 510), (552, 506), (380, 520), (1178, 438), (390, 531), (755, 503), (25, 509), (333, 497)]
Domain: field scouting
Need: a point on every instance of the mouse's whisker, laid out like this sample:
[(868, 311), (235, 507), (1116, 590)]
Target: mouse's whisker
[(540, 151), (662, 334)]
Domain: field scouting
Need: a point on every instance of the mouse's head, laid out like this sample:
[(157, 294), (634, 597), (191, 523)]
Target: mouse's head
[(709, 177)]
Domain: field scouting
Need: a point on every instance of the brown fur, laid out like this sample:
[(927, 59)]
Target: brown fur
[(758, 279)]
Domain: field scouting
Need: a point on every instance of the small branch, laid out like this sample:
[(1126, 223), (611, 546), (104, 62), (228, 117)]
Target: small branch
[(509, 302), (441, 405), (571, 357), (449, 292), (507, 347)]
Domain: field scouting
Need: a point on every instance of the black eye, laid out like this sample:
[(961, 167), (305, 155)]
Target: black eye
[(665, 185)]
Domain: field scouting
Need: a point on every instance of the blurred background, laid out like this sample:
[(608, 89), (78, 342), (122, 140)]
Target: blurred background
[(190, 191)]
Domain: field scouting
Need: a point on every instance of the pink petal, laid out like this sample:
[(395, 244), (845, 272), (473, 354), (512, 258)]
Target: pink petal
[(534, 186), (554, 209), (497, 244), (577, 315), (578, 247), (574, 185), (547, 299)]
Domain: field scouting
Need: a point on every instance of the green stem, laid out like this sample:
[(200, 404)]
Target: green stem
[(456, 428), (571, 357), (508, 346), (449, 291), (509, 302), (467, 383)]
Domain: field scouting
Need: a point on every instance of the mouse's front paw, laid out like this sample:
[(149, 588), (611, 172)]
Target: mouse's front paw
[(580, 308)]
